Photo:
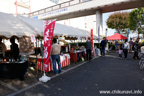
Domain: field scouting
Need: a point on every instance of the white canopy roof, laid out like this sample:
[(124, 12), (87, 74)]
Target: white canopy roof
[(23, 26), (60, 29), (10, 25)]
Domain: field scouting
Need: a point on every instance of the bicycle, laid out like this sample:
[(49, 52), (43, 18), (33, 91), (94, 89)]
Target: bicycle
[(141, 62)]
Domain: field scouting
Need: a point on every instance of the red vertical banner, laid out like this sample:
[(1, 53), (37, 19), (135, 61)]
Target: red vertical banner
[(48, 36), (92, 38)]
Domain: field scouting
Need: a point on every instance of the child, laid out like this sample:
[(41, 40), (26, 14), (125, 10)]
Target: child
[(120, 51)]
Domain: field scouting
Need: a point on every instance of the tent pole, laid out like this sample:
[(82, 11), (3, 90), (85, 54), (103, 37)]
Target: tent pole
[(36, 56), (42, 56)]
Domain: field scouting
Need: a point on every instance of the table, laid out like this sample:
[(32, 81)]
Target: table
[(12, 70), (77, 56), (64, 61), (73, 57)]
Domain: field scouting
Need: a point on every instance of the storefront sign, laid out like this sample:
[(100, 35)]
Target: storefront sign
[(33, 39), (55, 12), (48, 36), (128, 34)]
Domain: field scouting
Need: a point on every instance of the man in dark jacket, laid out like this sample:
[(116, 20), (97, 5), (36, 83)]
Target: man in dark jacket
[(14, 49), (88, 48), (135, 48), (102, 46)]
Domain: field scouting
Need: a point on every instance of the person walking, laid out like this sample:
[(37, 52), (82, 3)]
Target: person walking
[(135, 48), (116, 45), (125, 48), (102, 46), (88, 48), (130, 45), (55, 55)]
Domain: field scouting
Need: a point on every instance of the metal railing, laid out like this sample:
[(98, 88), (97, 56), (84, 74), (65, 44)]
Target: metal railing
[(56, 7)]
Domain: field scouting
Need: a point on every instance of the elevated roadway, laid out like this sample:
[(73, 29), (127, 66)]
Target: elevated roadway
[(79, 8)]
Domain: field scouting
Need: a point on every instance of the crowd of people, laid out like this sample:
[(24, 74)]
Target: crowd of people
[(128, 47), (124, 48)]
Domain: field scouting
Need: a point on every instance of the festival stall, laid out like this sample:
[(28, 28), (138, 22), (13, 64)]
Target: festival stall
[(62, 31), (11, 26), (24, 28), (116, 36)]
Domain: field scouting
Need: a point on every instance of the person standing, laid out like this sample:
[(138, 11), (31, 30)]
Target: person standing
[(14, 49), (116, 45), (130, 44), (2, 49), (55, 54), (125, 48), (88, 48), (135, 48), (103, 45), (120, 51)]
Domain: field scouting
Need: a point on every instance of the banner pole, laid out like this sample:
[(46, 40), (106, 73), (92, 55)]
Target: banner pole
[(48, 35), (42, 56), (43, 47)]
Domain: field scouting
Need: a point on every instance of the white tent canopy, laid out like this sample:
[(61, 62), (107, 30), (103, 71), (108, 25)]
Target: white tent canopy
[(19, 26), (60, 29), (10, 25)]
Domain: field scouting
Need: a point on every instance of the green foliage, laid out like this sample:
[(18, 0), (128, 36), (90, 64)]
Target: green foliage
[(136, 20), (118, 21)]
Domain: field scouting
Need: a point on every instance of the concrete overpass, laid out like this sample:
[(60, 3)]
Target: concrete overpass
[(79, 8)]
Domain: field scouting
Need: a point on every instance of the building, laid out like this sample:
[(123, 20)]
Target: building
[(23, 6)]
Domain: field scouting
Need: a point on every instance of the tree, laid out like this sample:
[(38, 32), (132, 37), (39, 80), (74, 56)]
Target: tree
[(118, 21), (136, 20)]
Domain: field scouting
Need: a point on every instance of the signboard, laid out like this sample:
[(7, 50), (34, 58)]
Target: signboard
[(33, 39), (92, 38), (48, 36), (53, 13), (127, 33)]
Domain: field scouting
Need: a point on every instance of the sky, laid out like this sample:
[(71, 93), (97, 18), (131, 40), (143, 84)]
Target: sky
[(105, 17)]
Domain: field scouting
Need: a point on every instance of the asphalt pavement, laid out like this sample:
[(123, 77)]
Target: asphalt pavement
[(102, 76)]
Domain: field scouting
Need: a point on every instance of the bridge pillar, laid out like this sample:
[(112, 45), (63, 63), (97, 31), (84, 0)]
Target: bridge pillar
[(99, 21)]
